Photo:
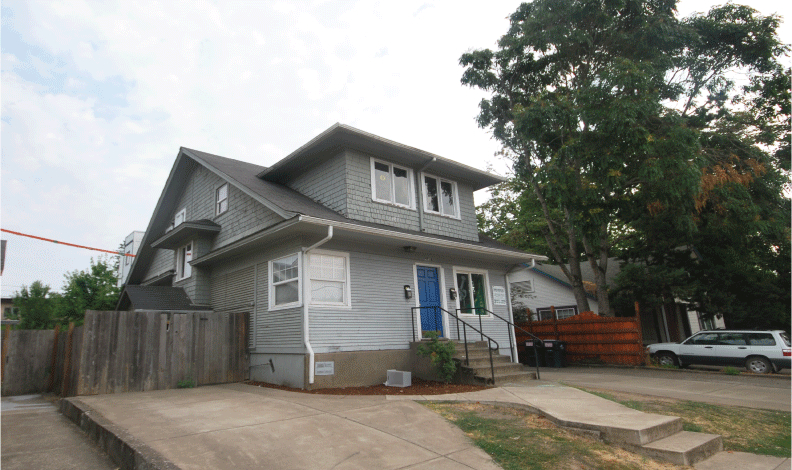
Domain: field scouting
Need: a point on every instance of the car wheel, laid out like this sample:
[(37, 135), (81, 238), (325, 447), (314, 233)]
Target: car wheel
[(666, 359), (758, 365)]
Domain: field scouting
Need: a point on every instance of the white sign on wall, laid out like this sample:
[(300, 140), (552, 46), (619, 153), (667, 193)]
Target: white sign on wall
[(325, 368), (499, 295)]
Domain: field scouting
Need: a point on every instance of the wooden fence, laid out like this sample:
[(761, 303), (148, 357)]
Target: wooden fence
[(590, 337), (117, 352)]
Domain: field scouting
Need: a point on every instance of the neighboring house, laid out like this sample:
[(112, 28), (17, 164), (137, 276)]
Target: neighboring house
[(332, 250), (543, 285), (131, 246), (10, 313)]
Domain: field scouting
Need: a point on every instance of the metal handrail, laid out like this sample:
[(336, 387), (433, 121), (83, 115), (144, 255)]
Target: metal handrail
[(511, 348), (464, 333)]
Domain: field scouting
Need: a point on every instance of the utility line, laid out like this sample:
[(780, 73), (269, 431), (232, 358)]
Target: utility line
[(67, 244)]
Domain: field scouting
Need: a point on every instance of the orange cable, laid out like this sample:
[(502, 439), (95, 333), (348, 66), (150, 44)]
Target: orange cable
[(64, 243)]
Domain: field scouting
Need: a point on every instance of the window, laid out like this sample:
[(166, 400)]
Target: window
[(704, 338), (221, 204), (472, 292), (760, 339), (329, 275), (183, 258), (440, 196), (391, 184), (284, 283), (561, 312), (180, 217), (127, 258)]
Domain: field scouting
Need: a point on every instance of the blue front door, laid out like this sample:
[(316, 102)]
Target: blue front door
[(429, 298)]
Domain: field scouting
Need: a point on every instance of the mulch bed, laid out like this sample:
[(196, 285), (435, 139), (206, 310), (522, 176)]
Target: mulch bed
[(419, 387)]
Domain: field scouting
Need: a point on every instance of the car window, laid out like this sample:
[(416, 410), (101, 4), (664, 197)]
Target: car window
[(785, 338), (703, 338), (732, 339), (761, 339)]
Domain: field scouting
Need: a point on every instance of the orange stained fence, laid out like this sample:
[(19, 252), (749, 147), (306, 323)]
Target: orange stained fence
[(591, 338)]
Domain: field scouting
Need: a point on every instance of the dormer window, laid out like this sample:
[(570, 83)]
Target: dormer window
[(221, 200), (180, 217), (391, 184), (440, 196)]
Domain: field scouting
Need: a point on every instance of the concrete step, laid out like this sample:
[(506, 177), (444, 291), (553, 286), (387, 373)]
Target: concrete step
[(683, 448), (478, 362), (500, 368), (506, 378)]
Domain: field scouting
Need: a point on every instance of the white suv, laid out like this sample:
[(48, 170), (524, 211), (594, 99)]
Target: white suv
[(759, 351)]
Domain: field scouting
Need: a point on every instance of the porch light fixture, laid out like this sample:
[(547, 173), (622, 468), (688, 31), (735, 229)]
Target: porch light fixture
[(409, 248), (452, 293), (408, 292)]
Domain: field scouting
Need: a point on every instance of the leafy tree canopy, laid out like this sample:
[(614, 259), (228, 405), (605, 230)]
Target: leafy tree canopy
[(36, 306), (626, 129), (91, 289)]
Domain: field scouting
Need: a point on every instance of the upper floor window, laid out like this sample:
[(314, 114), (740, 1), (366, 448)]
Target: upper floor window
[(440, 196), (180, 217), (284, 282), (392, 184), (221, 200), (183, 257)]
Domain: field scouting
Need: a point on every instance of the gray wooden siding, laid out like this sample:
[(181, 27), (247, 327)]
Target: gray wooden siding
[(380, 317), (360, 205), (163, 260), (325, 183), (244, 279)]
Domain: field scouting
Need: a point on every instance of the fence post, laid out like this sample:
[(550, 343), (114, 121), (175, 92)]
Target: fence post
[(639, 327), (67, 361), (51, 382), (555, 321), (5, 352)]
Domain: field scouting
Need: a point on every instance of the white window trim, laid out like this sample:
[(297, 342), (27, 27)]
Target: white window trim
[(392, 202), (487, 288), (457, 212), (347, 304), (218, 201), (183, 214), (271, 285), (187, 273), (540, 310)]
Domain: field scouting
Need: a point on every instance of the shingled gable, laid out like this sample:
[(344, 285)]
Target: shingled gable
[(342, 136)]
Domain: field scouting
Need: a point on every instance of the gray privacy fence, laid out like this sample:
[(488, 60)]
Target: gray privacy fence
[(116, 352)]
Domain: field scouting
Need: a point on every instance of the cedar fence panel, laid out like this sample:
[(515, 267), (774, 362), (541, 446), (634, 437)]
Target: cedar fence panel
[(611, 340), (114, 352)]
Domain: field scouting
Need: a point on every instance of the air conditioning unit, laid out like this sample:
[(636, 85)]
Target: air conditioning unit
[(398, 378)]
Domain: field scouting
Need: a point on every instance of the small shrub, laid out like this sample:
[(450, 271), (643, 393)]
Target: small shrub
[(441, 354), (188, 382), (731, 371)]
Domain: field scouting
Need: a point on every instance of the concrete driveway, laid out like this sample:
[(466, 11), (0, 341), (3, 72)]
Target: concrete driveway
[(768, 392), (241, 426)]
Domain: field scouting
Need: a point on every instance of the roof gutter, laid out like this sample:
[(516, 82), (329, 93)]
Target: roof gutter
[(306, 329)]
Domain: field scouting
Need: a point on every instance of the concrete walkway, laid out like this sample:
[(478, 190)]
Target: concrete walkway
[(36, 436), (240, 426), (768, 392)]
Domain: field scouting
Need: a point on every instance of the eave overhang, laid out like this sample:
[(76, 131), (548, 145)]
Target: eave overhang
[(185, 232)]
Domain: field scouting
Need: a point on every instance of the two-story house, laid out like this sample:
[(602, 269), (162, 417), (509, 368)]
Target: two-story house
[(339, 252)]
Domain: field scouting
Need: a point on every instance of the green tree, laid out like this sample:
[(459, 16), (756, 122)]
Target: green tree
[(36, 306), (92, 289), (612, 111)]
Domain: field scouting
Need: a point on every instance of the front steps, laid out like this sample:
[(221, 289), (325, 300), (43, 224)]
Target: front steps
[(479, 365)]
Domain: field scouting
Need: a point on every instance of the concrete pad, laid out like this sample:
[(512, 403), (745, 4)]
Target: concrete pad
[(410, 422), (474, 458), (316, 402), (742, 461), (321, 441)]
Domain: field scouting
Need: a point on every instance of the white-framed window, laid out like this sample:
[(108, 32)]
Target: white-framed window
[(472, 291), (183, 257), (440, 196), (561, 312), (127, 258), (221, 199), (392, 184), (329, 278), (180, 217), (284, 282)]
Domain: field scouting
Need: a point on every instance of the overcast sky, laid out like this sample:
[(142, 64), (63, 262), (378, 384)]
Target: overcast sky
[(97, 98)]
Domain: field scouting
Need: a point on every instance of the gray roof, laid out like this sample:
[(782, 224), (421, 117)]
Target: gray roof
[(157, 298), (554, 271)]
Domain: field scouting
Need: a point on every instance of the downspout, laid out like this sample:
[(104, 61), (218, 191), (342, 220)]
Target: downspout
[(511, 318), (420, 192), (306, 329)]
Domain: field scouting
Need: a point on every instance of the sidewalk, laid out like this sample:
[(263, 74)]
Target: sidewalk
[(239, 426), (36, 436)]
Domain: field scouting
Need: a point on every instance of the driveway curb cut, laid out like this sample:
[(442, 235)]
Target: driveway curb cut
[(124, 449)]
